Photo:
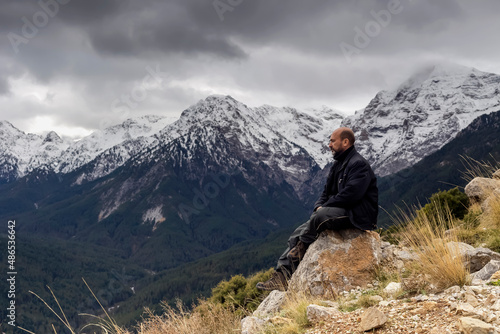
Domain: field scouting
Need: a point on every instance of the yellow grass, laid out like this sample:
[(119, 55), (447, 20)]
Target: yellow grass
[(292, 318), (428, 237), (476, 168), (491, 216), (206, 318)]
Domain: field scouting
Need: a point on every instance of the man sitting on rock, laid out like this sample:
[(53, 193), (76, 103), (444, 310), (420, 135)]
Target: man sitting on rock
[(349, 200)]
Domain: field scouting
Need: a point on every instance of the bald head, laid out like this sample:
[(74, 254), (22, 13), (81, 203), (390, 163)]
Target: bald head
[(346, 133), (341, 139)]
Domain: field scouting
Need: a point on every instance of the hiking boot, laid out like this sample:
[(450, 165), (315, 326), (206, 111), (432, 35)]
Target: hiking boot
[(276, 282), (296, 254)]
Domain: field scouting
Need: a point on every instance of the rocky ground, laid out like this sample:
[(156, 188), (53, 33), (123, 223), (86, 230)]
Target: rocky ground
[(472, 309), (339, 262)]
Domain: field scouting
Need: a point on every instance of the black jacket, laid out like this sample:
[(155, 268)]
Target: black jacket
[(357, 190)]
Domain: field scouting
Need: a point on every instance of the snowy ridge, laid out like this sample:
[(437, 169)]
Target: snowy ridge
[(395, 130), (22, 153), (225, 131), (399, 128)]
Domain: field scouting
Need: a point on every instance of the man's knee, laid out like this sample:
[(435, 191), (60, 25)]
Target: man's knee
[(327, 213)]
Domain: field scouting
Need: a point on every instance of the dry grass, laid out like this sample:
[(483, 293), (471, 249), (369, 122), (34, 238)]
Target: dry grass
[(106, 325), (491, 217), (206, 318), (476, 168), (292, 318), (427, 236)]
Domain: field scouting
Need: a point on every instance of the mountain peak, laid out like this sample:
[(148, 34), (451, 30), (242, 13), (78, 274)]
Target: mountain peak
[(214, 107), (52, 137), (436, 72), (401, 127), (7, 126)]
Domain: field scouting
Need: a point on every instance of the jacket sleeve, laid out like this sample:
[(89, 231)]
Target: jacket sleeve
[(356, 185), (324, 195), (322, 198)]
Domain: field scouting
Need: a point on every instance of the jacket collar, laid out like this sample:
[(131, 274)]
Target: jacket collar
[(348, 157)]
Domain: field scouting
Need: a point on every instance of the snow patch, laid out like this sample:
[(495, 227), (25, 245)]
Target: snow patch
[(153, 215)]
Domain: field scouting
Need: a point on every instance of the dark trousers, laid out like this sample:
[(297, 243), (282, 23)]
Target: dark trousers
[(324, 218)]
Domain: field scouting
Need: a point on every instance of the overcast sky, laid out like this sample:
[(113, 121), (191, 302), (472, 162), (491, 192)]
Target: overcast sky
[(74, 66)]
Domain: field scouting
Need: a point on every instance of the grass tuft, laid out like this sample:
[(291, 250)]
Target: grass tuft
[(428, 236), (293, 316), (207, 318)]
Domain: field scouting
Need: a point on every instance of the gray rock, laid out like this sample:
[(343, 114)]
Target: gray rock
[(470, 298), (372, 318), (466, 309), (271, 304), (477, 258), (487, 205), (337, 261), (252, 325), (487, 271), (469, 325), (385, 244), (459, 247), (316, 313), (375, 299), (480, 188), (392, 288), (452, 290)]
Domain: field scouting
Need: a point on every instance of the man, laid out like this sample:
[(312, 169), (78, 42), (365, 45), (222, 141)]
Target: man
[(349, 200)]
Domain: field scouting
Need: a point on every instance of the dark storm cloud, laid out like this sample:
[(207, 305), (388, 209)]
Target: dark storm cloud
[(141, 28), (282, 52), (4, 86)]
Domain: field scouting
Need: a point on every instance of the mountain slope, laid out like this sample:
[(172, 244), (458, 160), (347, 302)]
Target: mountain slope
[(398, 128), (442, 170), (21, 153)]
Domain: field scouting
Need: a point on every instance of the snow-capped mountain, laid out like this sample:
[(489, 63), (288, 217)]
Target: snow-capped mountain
[(309, 128), (21, 153), (274, 136), (228, 133), (398, 128)]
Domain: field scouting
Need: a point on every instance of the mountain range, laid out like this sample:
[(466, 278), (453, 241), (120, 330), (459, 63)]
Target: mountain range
[(160, 194)]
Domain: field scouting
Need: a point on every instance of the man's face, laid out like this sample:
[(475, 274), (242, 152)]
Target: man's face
[(336, 145)]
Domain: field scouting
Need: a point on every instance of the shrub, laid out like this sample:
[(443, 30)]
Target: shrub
[(456, 201), (240, 292)]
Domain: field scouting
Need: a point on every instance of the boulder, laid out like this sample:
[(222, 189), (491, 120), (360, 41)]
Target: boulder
[(395, 257), (491, 201), (271, 304), (459, 247), (252, 325), (477, 258), (469, 325), (487, 271), (337, 261), (480, 188), (495, 276), (392, 288), (372, 318), (317, 313)]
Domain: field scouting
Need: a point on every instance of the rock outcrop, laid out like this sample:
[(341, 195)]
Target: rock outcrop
[(337, 261), (480, 188), (342, 263)]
